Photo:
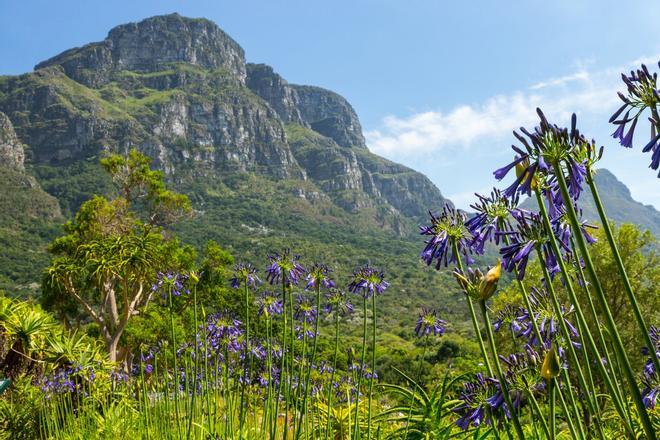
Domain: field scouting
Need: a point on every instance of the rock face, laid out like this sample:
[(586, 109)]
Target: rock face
[(331, 115), (152, 45), (180, 90), (11, 150)]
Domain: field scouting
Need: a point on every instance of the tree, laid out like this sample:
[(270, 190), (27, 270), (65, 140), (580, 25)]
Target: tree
[(114, 247)]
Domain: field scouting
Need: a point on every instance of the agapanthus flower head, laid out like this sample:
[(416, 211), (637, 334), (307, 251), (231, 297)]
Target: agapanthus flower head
[(245, 274), (270, 304), (477, 285), (509, 317), (492, 219), (446, 229), (528, 235), (481, 403), (319, 275), (171, 282), (337, 301), (284, 267), (223, 331), (305, 329), (654, 334), (429, 322), (642, 97), (547, 321), (650, 377), (651, 389), (542, 148), (563, 232), (305, 310), (522, 375), (368, 281)]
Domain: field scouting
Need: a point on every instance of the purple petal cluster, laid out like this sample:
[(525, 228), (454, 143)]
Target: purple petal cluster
[(642, 95), (319, 275), (446, 229), (284, 267), (245, 274), (368, 281), (270, 305), (337, 301), (481, 403), (173, 282), (492, 219), (429, 322)]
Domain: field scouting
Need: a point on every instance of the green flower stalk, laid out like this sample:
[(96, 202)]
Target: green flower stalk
[(643, 328), (600, 295)]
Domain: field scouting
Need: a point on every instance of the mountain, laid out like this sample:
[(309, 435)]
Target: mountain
[(617, 202), (267, 164), (28, 215)]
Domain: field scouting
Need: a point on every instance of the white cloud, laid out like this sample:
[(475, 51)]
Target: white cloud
[(584, 91)]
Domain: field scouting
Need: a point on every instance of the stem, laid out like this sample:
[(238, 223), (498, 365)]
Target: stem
[(622, 270), (539, 414), (551, 416), (473, 315), (332, 375), (579, 314), (567, 414), (500, 373), (292, 369), (282, 365), (246, 355), (176, 369), (356, 428), (373, 362), (316, 336), (192, 404), (600, 294)]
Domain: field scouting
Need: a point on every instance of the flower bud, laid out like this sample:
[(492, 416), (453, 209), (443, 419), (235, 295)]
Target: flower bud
[(489, 281), (551, 365)]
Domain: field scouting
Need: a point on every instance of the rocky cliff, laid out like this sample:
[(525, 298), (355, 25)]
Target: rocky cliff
[(180, 90)]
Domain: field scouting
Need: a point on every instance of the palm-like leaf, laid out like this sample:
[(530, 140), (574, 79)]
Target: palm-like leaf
[(423, 415)]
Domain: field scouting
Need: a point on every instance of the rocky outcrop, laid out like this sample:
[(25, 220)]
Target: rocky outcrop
[(179, 89), (271, 87), (330, 115), (11, 149), (152, 45)]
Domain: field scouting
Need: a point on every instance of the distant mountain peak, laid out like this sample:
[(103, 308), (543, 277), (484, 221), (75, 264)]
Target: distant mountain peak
[(151, 45)]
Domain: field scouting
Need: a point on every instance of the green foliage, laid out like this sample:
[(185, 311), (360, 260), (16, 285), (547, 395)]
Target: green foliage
[(113, 248)]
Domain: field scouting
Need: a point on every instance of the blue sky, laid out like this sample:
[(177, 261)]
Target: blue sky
[(438, 85)]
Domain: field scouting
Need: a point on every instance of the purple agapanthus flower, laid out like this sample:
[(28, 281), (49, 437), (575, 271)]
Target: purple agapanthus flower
[(245, 274), (368, 281), (642, 95), (429, 322), (305, 310), (492, 219), (510, 316), (286, 267), (480, 405), (446, 229), (270, 304), (528, 235), (337, 301), (171, 282), (319, 275), (224, 332), (650, 377), (546, 320)]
